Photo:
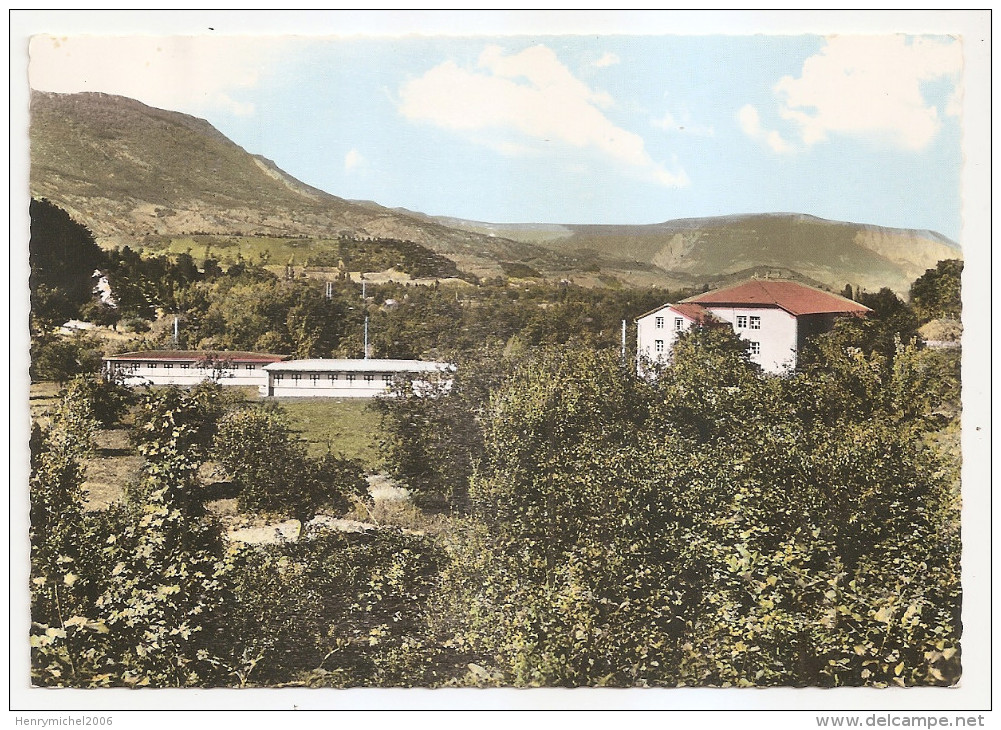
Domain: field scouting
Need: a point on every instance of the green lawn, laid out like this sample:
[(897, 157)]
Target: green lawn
[(348, 426), (42, 398)]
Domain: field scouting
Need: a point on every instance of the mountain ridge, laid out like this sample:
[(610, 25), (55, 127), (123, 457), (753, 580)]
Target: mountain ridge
[(130, 171)]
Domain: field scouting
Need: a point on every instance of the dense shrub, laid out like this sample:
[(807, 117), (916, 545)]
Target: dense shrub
[(270, 466), (734, 536)]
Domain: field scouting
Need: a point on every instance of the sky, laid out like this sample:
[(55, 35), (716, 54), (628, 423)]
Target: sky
[(593, 128)]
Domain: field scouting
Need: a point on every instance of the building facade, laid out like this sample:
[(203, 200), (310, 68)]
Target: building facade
[(774, 316), (341, 378), (190, 367)]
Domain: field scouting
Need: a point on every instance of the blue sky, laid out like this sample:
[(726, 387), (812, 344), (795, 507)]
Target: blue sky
[(570, 128)]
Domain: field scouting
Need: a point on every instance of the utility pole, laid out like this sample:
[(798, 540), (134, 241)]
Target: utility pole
[(623, 342)]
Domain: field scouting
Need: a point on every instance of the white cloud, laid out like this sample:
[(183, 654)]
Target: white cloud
[(871, 85), (176, 72), (534, 95), (608, 59), (353, 160), (670, 123), (750, 124)]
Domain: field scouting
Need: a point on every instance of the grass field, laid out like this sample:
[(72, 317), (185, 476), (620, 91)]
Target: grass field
[(225, 249), (42, 398), (347, 426)]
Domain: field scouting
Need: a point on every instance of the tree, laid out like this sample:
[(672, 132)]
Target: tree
[(273, 472), (63, 256), (131, 596), (59, 358), (730, 534), (937, 294), (891, 321), (434, 426), (569, 576), (107, 400)]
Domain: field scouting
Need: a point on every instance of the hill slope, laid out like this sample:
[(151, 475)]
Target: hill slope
[(832, 252), (128, 170)]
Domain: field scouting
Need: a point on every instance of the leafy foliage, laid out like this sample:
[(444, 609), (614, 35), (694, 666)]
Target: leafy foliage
[(58, 358), (433, 426), (122, 598), (937, 294), (107, 400), (63, 256), (337, 609), (270, 466), (730, 534), (379, 254)]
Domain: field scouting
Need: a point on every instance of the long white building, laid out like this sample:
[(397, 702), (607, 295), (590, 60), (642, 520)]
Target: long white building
[(341, 378), (190, 367), (774, 316)]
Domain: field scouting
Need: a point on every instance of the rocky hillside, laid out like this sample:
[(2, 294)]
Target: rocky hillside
[(127, 170), (833, 252)]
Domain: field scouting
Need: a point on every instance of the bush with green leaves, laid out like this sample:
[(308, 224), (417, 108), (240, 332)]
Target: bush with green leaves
[(336, 610), (433, 427), (180, 419), (58, 358), (107, 400), (713, 527), (270, 466), (129, 597), (937, 294)]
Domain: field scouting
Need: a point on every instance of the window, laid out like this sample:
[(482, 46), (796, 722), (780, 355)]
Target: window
[(369, 377), (185, 366), (152, 366), (741, 321), (387, 378), (278, 377), (679, 324), (296, 377), (755, 348), (351, 377), (660, 323), (314, 378), (332, 377), (755, 323), (658, 345), (168, 365), (250, 366)]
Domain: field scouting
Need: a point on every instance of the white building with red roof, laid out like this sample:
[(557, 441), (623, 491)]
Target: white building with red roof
[(774, 316)]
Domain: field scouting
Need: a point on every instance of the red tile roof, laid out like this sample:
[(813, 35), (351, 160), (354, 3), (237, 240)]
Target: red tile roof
[(196, 355), (694, 312), (793, 297)]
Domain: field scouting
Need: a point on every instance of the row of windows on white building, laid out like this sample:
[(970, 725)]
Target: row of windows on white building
[(744, 321), (133, 366), (334, 377), (754, 347)]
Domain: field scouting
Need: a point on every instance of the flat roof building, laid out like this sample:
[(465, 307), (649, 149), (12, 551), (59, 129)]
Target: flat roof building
[(329, 378), (190, 367)]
